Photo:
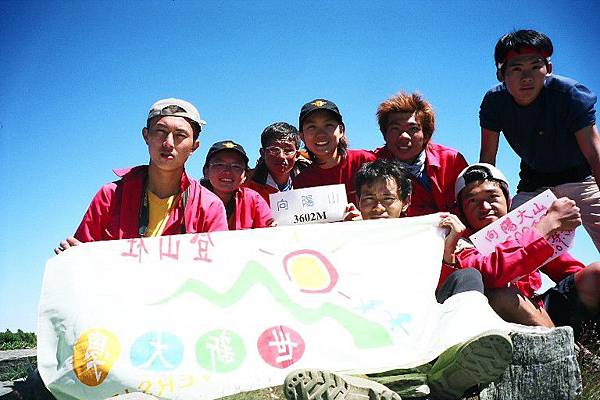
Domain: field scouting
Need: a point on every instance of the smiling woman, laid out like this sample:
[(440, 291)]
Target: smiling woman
[(324, 135), (224, 173)]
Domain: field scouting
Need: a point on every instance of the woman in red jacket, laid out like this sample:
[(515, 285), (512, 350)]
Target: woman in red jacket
[(224, 173), (324, 135)]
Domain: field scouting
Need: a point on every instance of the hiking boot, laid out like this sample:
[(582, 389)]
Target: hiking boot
[(312, 384), (408, 383), (478, 361)]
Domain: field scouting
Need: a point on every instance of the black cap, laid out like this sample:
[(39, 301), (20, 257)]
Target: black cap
[(318, 104), (226, 145)]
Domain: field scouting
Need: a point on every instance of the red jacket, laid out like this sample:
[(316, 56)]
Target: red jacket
[(518, 262), (114, 211), (251, 210), (344, 173), (262, 188), (442, 166)]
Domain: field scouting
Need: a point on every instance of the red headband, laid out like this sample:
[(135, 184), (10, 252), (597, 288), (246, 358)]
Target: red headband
[(528, 50)]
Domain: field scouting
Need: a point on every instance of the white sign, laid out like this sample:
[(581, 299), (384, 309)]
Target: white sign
[(202, 316), (310, 205), (520, 220)]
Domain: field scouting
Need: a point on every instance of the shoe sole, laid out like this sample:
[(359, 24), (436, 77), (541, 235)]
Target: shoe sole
[(311, 384), (482, 360)]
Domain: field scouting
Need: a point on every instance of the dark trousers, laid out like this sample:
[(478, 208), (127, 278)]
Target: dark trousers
[(461, 280)]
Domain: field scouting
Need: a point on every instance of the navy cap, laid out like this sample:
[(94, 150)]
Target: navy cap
[(315, 105), (227, 145)]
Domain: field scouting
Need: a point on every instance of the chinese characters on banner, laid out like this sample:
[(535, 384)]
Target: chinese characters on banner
[(202, 316), (520, 220)]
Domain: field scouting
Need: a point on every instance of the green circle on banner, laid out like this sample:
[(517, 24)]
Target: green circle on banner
[(220, 351)]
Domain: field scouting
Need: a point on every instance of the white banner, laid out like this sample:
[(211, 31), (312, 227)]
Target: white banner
[(207, 315)]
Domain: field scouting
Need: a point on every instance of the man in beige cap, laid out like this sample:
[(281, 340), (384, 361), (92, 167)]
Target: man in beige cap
[(158, 198)]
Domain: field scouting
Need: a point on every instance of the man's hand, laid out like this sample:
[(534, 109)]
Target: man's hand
[(65, 244), (563, 215), (456, 231), (351, 213), (271, 223)]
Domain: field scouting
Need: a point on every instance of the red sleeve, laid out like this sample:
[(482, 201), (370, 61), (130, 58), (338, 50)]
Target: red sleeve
[(561, 267), (367, 156), (306, 177), (510, 260), (213, 217), (93, 226), (263, 189), (461, 162), (261, 212), (450, 169)]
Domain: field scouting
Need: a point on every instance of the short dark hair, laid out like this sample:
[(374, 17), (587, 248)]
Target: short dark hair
[(280, 131), (195, 127), (380, 168), (518, 40)]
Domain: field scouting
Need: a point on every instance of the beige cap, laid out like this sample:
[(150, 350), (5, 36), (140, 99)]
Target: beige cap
[(176, 108)]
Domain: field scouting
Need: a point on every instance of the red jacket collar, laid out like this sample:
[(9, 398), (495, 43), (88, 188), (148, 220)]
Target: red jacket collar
[(430, 155), (142, 171)]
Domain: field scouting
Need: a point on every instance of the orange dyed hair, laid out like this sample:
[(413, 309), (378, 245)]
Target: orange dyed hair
[(408, 103)]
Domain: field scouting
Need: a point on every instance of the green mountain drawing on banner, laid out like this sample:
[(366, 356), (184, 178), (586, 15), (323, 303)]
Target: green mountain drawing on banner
[(365, 333)]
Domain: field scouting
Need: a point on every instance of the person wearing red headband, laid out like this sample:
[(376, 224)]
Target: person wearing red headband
[(549, 121)]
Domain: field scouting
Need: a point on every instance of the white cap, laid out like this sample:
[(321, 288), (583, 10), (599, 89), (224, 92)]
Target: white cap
[(176, 108), (490, 172)]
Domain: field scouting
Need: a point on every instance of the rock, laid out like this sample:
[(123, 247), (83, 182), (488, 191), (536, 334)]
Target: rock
[(5, 387), (8, 355), (15, 363), (544, 367)]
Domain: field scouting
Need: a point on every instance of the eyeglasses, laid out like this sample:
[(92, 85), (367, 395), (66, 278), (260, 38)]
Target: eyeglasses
[(220, 167), (372, 201), (275, 151)]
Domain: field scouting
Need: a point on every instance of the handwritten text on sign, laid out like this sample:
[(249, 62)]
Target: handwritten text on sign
[(520, 220), (310, 205)]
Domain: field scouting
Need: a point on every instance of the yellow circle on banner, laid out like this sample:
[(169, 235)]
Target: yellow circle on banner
[(308, 272), (94, 354)]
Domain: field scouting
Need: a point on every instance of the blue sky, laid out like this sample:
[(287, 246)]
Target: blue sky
[(78, 78)]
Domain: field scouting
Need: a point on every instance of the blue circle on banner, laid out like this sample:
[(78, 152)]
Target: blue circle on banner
[(157, 351)]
